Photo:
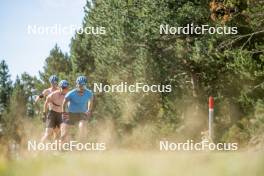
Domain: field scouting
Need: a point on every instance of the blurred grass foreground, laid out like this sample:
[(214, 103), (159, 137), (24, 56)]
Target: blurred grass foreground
[(137, 163)]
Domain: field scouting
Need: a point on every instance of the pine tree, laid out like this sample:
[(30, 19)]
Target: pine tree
[(56, 63), (13, 119), (28, 84), (5, 86)]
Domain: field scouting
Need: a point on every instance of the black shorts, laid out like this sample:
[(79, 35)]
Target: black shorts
[(74, 118), (54, 119)]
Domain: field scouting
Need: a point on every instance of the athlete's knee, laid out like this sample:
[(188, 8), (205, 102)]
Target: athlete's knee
[(48, 132), (63, 127), (81, 124), (64, 131)]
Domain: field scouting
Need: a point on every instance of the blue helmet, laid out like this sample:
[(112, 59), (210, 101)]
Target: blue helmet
[(53, 79), (81, 80), (63, 84)]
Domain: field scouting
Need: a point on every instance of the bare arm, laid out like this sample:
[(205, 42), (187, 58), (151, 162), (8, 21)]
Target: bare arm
[(45, 109), (64, 104), (90, 104)]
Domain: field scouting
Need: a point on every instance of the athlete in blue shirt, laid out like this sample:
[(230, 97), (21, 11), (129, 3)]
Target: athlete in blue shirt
[(79, 103)]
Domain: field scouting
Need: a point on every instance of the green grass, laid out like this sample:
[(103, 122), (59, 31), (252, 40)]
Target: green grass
[(136, 163)]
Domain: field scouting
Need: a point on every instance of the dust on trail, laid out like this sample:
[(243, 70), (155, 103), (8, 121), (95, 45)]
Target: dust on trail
[(142, 137), (134, 156)]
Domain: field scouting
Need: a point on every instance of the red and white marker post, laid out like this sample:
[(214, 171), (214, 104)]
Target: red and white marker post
[(211, 117)]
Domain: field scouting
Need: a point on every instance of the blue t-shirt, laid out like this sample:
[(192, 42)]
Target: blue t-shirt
[(78, 103)]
